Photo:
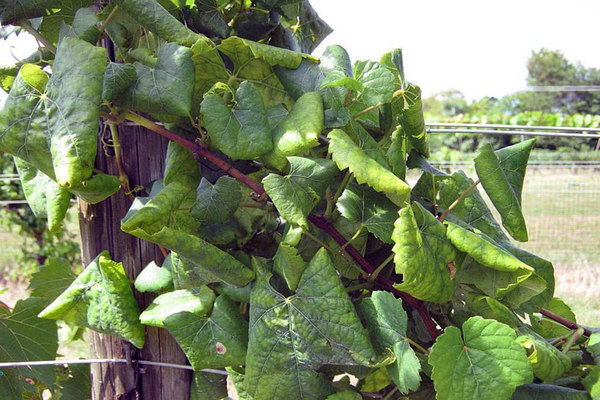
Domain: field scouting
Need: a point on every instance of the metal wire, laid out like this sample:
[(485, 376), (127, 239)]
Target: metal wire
[(107, 361), (510, 127), (564, 88), (514, 133)]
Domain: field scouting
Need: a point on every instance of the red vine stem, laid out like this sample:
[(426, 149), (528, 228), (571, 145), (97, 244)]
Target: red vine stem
[(564, 321), (319, 221)]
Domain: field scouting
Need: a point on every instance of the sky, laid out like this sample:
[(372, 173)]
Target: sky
[(478, 47)]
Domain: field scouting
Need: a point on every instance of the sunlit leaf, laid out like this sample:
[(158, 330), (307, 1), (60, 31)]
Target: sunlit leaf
[(423, 255), (485, 361), (100, 298), (369, 208), (25, 337), (242, 133), (151, 15), (297, 193), (502, 174), (347, 154), (387, 323), (215, 341), (291, 337), (197, 301)]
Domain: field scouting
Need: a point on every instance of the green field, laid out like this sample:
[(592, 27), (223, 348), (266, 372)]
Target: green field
[(562, 210)]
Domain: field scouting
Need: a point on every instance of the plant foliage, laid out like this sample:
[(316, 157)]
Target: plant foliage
[(320, 258)]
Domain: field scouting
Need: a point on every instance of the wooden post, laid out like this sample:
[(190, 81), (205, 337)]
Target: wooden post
[(143, 160)]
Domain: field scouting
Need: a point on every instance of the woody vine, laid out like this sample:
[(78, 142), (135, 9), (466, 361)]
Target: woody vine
[(302, 253)]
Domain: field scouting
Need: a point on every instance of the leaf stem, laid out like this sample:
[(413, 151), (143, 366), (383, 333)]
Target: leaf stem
[(457, 201), (375, 274), (117, 148), (417, 346), (25, 24), (353, 238), (376, 106), (338, 193), (571, 341), (110, 17), (390, 394)]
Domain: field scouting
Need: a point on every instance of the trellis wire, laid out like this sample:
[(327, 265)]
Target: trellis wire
[(514, 133), (564, 88), (512, 127), (108, 361)]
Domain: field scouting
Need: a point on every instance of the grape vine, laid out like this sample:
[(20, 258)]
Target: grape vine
[(306, 253)]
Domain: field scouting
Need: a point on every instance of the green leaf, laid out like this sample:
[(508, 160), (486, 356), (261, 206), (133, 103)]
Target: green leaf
[(369, 208), (210, 19), (198, 301), (166, 88), (347, 154), (298, 132), (165, 220), (242, 133), (78, 384), (472, 210), (17, 10), (412, 119), (100, 299), (212, 342), (237, 378), (85, 25), (387, 323), (44, 196), (345, 395), (60, 118), (592, 383), (423, 255), (309, 30), (396, 154), (501, 174), (485, 362), (61, 14), (216, 203), (271, 54), (547, 362), (117, 79), (490, 308), (548, 392), (53, 278), (153, 279), (291, 337), (287, 261), (309, 76), (376, 381), (207, 386), (208, 68), (297, 193), (376, 80), (25, 337), (151, 15), (255, 68), (522, 282)]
